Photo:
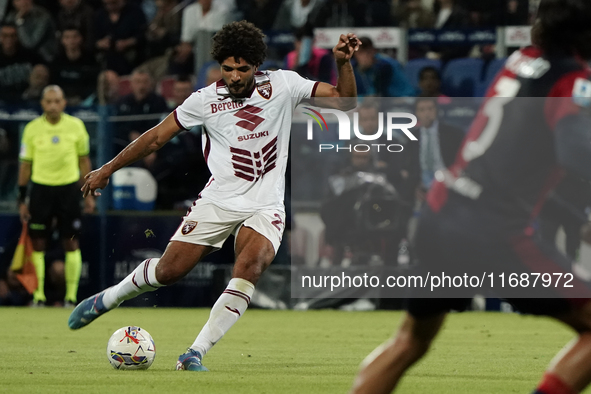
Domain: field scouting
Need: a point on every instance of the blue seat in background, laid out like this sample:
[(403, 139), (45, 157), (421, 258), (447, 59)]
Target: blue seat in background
[(414, 67), (134, 188), (492, 69), (460, 77)]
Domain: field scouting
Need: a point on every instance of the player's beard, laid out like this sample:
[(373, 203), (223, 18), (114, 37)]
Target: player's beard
[(242, 90)]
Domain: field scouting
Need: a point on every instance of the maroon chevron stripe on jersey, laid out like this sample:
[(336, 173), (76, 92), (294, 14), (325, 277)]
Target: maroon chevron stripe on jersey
[(250, 166)]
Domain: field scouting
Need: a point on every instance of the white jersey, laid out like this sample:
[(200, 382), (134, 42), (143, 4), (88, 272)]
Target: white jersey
[(246, 141)]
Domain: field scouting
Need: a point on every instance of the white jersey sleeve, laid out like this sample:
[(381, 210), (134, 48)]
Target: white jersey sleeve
[(190, 112), (299, 87)]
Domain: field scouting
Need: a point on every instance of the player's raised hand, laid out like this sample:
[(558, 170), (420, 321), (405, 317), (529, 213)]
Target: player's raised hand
[(97, 179), (345, 48)]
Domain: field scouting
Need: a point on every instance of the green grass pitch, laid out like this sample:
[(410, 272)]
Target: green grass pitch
[(271, 352)]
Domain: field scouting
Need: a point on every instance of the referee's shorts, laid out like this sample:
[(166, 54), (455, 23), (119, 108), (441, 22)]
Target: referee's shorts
[(59, 202)]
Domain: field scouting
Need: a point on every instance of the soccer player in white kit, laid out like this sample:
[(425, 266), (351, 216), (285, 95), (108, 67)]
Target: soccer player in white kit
[(246, 118)]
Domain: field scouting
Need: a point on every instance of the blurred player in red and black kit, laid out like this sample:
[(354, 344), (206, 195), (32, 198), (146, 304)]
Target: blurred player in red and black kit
[(480, 210)]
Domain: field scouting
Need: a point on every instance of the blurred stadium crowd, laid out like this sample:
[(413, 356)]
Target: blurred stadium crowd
[(143, 58), (140, 56)]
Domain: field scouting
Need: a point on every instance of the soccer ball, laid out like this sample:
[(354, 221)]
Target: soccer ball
[(131, 348)]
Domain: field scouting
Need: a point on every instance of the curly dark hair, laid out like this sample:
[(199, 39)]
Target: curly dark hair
[(240, 40), (563, 26)]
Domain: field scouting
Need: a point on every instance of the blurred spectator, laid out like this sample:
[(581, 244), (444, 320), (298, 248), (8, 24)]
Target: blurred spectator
[(437, 148), (369, 124), (182, 88), (181, 161), (35, 27), (309, 61), (108, 87), (339, 13), (412, 14), (202, 15), (74, 69), (450, 15), (360, 213), (107, 90), (164, 30), (141, 101), (262, 13), (379, 75), (16, 64), (9, 148), (5, 6), (38, 80), (295, 14), (512, 13), (376, 13), (76, 13), (119, 34), (214, 74), (181, 60), (430, 85)]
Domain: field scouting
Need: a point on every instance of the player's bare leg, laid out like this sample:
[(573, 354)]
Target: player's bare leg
[(383, 368), (570, 371), (254, 253), (178, 259)]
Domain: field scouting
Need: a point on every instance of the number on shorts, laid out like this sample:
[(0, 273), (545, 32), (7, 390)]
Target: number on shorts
[(278, 222)]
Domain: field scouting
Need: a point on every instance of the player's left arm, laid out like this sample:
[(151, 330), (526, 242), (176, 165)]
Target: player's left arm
[(343, 96)]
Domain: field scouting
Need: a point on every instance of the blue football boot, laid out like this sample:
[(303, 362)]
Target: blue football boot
[(190, 361), (87, 311)]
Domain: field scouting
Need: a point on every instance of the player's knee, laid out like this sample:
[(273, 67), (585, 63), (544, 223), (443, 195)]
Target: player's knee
[(249, 270), (167, 274)]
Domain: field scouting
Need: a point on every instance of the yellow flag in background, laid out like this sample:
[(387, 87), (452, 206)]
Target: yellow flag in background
[(22, 264)]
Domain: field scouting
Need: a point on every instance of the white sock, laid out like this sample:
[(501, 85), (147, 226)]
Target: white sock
[(228, 308), (141, 280)]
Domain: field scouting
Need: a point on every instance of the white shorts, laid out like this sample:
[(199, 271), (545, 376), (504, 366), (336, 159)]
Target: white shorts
[(207, 224)]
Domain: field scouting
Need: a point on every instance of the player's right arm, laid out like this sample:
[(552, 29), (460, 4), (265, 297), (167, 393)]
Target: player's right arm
[(149, 142)]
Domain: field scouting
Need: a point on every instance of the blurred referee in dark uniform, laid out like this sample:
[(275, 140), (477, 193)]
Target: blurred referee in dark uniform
[(54, 156)]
